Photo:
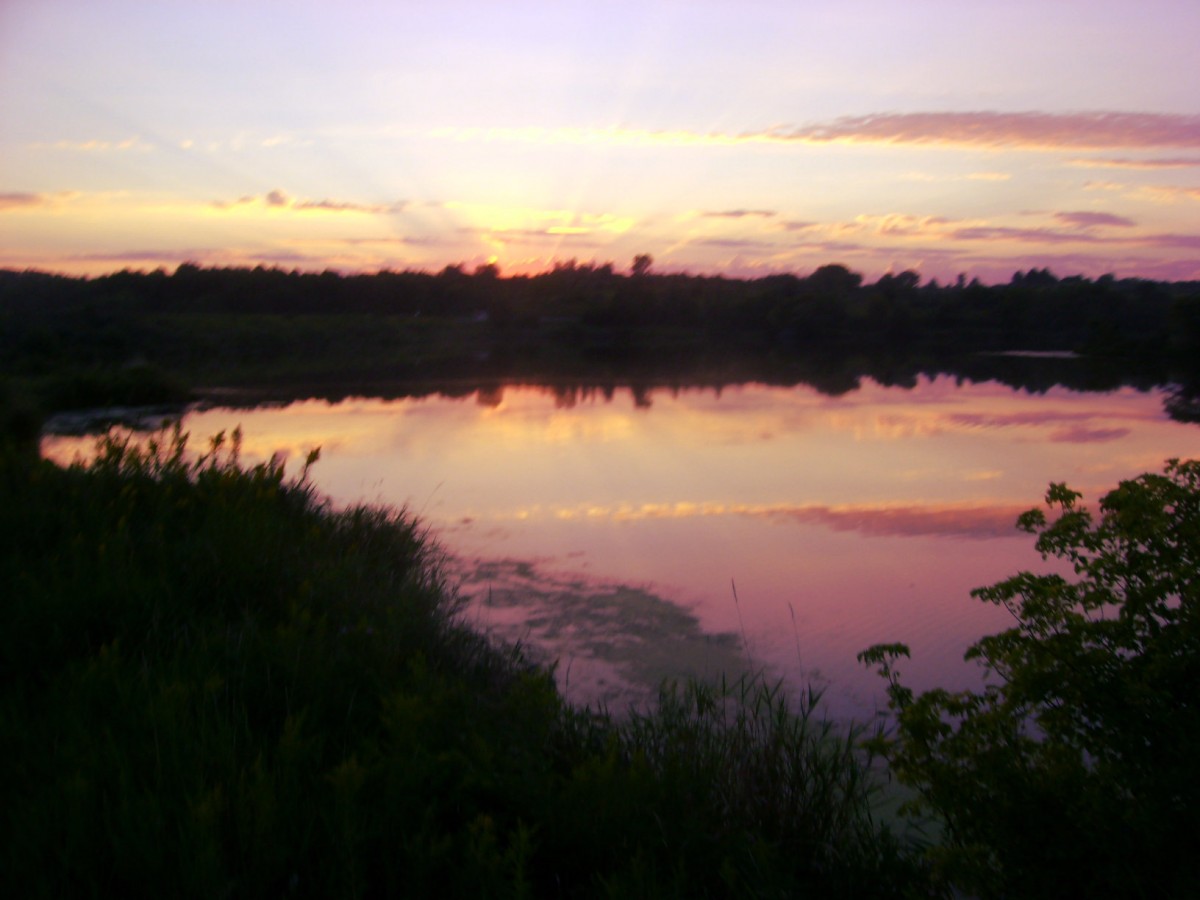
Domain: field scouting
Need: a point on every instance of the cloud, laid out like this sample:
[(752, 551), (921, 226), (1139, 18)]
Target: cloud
[(583, 237), (153, 256), (970, 176), (1079, 434), (739, 214), (279, 199), (503, 221), (1026, 235), (1031, 130), (1077, 235), (1187, 241), (1093, 219), (346, 206), (979, 521), (1028, 130), (1176, 162), (21, 200), (1072, 427), (1164, 193), (902, 225), (390, 241), (1153, 193), (736, 243), (131, 144)]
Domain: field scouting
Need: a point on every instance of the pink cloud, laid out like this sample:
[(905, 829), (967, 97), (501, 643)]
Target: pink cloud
[(1091, 219), (978, 522), (1030, 235), (20, 200), (349, 206), (1080, 130), (1079, 434), (279, 199), (1177, 162), (1026, 417), (739, 214)]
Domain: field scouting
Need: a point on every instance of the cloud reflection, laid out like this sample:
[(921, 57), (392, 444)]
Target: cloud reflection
[(969, 520)]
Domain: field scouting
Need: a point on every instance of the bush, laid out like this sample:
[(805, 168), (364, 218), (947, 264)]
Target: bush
[(1072, 771)]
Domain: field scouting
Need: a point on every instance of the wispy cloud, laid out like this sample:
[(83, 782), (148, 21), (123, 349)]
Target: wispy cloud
[(479, 218), (740, 214), (735, 243), (1097, 130), (1087, 219), (133, 144), (1075, 235), (390, 241), (1080, 434), (1152, 193), (1067, 427), (930, 177), (1176, 162), (980, 521), (21, 200), (532, 235), (278, 199), (193, 254), (1032, 130)]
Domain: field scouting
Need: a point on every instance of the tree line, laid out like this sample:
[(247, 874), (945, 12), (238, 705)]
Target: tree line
[(1035, 310), (123, 337)]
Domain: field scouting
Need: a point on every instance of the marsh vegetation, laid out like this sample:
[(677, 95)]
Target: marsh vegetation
[(215, 684)]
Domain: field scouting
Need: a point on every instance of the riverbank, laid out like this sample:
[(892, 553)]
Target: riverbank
[(215, 683)]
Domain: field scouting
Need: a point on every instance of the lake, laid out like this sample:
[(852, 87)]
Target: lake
[(633, 536)]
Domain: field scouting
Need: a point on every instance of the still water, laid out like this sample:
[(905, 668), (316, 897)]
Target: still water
[(632, 537)]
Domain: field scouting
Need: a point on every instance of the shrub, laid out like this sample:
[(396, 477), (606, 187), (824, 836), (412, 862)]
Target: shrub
[(1071, 772)]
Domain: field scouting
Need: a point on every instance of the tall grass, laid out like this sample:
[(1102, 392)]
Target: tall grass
[(214, 684)]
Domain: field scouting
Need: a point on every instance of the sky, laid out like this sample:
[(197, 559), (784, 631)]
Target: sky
[(738, 138)]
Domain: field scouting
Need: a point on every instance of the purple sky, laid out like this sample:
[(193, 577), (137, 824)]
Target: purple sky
[(745, 138)]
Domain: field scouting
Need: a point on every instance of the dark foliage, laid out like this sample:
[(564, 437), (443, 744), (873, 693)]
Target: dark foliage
[(214, 685), (132, 337), (1071, 773)]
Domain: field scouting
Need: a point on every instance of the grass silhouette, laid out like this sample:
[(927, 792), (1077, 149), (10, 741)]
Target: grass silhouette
[(212, 683)]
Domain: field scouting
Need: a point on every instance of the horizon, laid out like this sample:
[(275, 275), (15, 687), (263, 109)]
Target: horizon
[(740, 140), (570, 265)]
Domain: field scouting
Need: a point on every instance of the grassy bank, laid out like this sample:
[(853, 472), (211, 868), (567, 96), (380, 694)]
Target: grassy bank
[(213, 684)]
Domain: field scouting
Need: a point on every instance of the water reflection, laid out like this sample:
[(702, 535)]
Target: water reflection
[(606, 527)]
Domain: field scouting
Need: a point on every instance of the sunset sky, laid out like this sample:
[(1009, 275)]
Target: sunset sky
[(741, 138)]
